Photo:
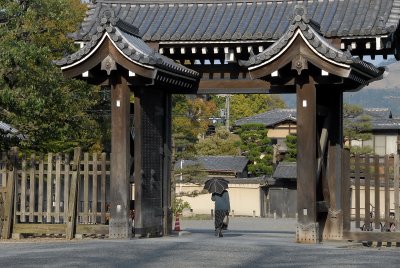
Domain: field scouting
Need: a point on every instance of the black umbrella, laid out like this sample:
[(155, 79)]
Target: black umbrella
[(216, 185)]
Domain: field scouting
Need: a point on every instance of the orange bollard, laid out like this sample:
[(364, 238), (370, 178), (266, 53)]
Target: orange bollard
[(177, 224)]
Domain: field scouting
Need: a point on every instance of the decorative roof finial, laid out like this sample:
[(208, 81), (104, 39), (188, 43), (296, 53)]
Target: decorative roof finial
[(299, 14)]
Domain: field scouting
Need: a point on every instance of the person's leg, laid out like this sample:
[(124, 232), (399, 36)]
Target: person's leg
[(225, 220), (219, 217)]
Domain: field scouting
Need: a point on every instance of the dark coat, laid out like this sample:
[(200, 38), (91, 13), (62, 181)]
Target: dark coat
[(221, 201)]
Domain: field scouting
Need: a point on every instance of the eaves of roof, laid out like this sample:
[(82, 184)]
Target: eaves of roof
[(220, 20), (126, 39), (301, 25)]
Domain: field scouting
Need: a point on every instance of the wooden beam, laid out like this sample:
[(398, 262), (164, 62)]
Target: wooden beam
[(29, 228), (138, 160), (332, 184), (372, 236), (307, 228), (396, 185), (9, 203), (99, 229), (322, 144), (73, 196), (167, 158), (235, 86), (346, 196), (120, 224)]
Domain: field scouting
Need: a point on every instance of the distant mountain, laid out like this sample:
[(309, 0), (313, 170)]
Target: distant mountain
[(384, 93)]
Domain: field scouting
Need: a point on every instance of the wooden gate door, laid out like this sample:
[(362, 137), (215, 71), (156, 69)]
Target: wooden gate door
[(371, 194)]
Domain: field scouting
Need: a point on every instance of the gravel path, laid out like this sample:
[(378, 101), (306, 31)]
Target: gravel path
[(246, 224)]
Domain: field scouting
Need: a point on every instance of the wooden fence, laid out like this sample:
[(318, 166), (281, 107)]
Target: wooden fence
[(55, 194), (372, 190)]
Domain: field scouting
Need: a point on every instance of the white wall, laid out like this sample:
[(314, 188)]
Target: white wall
[(244, 198)]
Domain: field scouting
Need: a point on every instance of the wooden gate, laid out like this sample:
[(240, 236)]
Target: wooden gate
[(54, 194), (371, 190)]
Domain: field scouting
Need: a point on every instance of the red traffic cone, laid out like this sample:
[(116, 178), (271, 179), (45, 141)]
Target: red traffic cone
[(177, 225)]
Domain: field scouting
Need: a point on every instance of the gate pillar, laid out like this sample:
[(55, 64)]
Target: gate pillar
[(303, 59), (117, 56), (120, 225), (331, 219), (152, 118), (307, 230)]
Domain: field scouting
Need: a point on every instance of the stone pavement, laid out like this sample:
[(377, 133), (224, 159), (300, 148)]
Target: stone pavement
[(248, 243)]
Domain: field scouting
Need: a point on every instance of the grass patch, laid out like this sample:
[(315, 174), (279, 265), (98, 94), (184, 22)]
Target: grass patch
[(199, 217)]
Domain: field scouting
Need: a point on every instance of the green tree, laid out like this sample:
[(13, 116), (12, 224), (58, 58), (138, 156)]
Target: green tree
[(191, 173), (222, 142), (357, 126), (49, 110), (256, 146), (178, 205), (291, 144), (190, 121), (244, 105)]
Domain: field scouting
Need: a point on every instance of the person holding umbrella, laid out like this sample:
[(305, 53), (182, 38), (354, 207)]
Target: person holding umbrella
[(217, 187)]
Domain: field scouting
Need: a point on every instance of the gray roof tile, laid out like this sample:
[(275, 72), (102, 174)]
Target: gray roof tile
[(218, 163), (247, 19), (10, 131), (311, 31), (380, 118), (269, 118), (127, 38), (285, 170)]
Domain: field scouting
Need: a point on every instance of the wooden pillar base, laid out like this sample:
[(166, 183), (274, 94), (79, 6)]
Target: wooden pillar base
[(307, 233), (333, 229)]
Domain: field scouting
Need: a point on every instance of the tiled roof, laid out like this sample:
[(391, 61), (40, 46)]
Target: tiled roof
[(218, 20), (126, 39), (252, 180), (380, 118), (269, 118), (310, 30), (378, 112), (285, 170), (218, 163), (10, 131), (385, 124)]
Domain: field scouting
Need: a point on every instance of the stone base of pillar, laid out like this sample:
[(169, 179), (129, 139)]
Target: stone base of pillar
[(120, 228), (148, 232), (333, 229), (307, 233)]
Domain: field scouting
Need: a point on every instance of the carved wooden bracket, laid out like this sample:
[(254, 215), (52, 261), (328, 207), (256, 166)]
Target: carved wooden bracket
[(108, 65), (299, 63)]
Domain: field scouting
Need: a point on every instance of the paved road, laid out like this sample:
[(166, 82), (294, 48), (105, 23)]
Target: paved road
[(248, 243)]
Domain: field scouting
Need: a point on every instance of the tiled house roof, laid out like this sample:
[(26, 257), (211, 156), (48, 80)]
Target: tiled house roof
[(10, 131), (269, 118), (381, 118), (216, 20), (235, 164), (285, 170)]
